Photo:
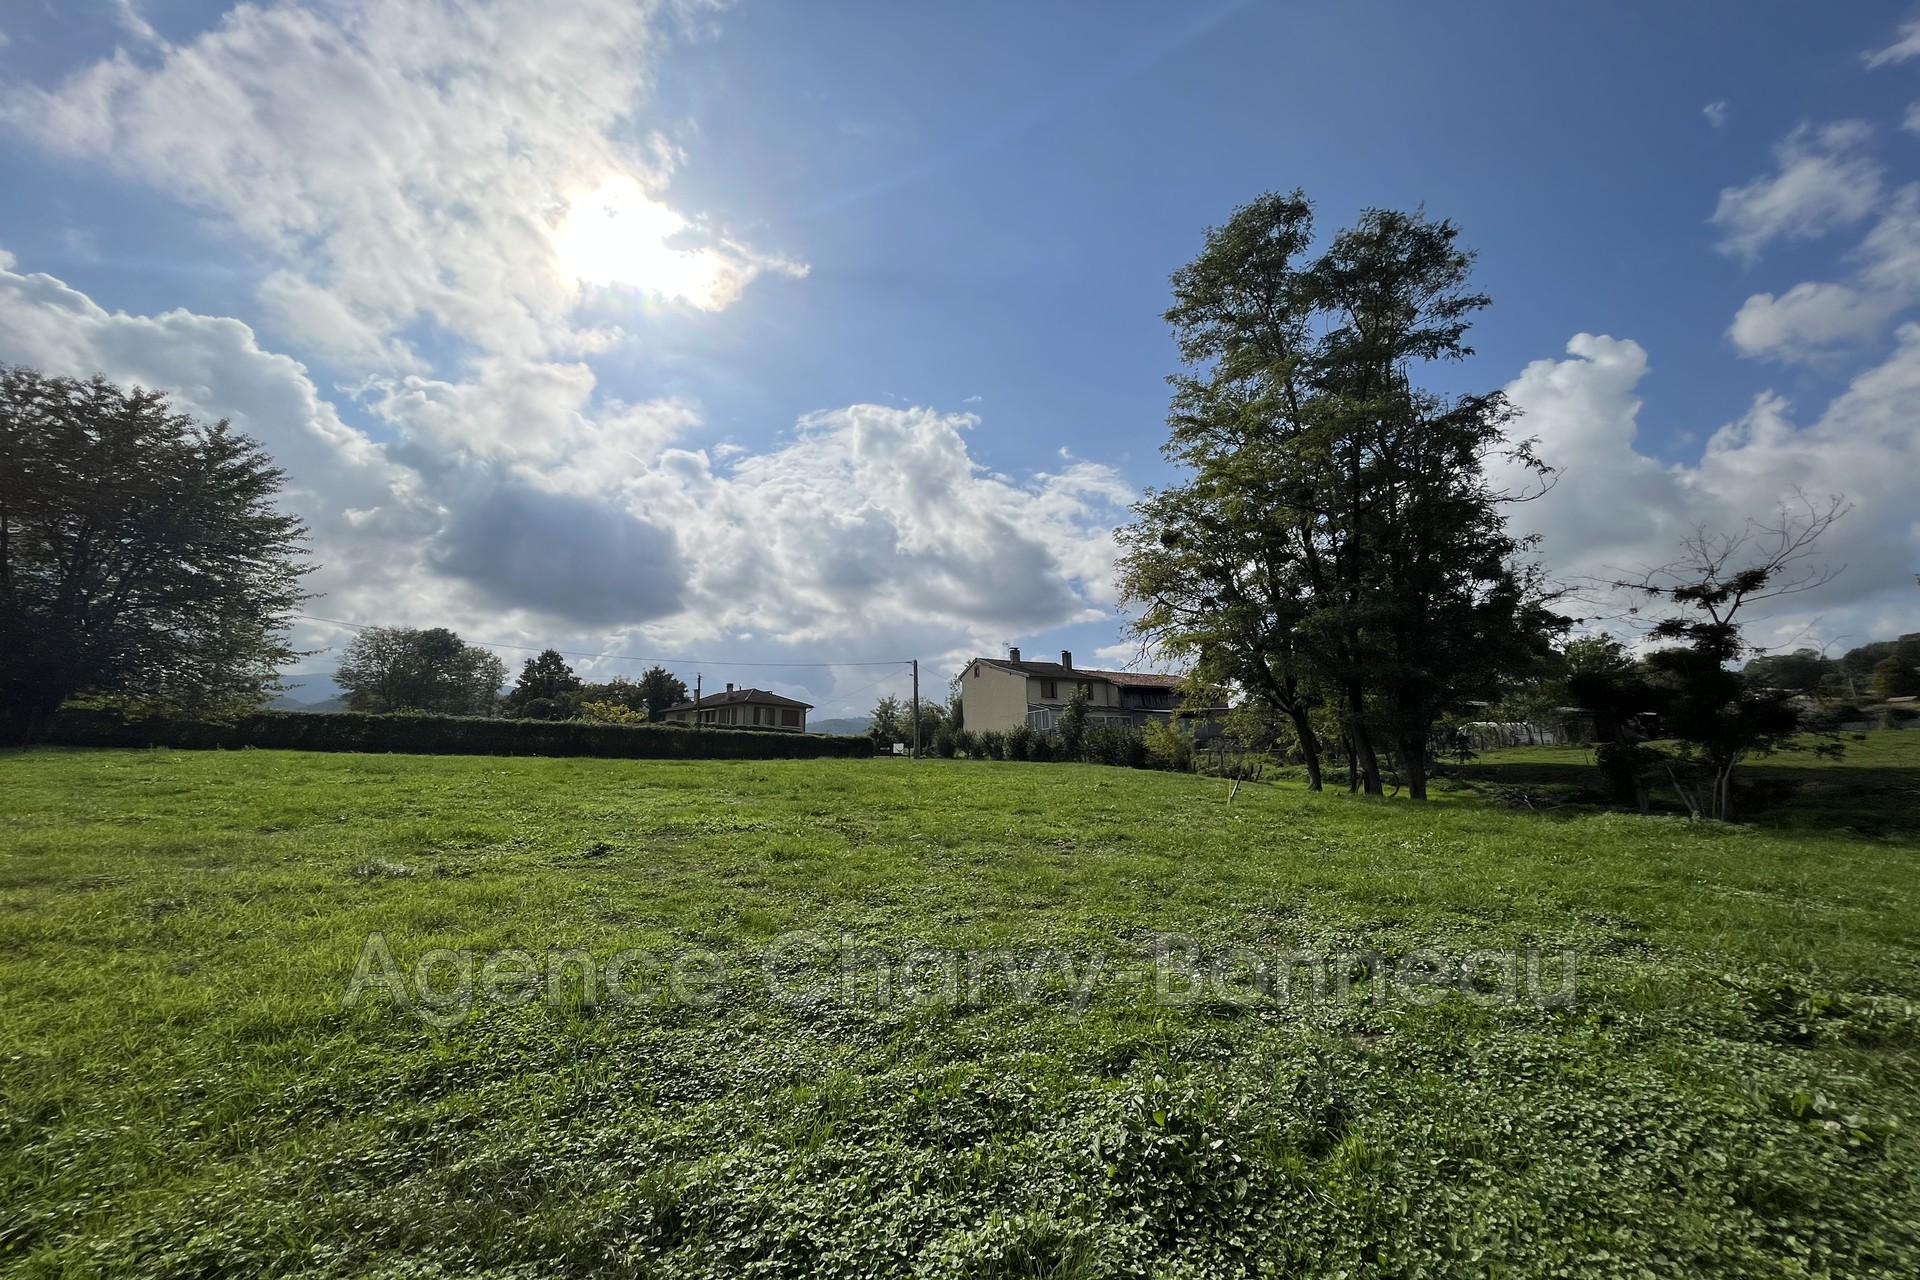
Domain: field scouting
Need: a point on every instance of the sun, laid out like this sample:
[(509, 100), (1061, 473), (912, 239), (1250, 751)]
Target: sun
[(617, 234)]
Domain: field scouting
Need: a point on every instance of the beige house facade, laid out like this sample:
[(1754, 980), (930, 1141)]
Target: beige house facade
[(1001, 694), (742, 709)]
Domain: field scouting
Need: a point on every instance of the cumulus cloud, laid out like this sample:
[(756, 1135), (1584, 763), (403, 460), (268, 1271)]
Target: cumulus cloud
[(1809, 319), (411, 163), (575, 558), (1616, 508), (1716, 113), (367, 513), (538, 513), (1821, 182)]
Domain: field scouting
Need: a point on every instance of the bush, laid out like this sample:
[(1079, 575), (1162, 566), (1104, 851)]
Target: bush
[(449, 735), (1116, 745), (609, 713), (967, 743), (945, 743), (993, 744), (1042, 747), (1167, 747), (1020, 742)]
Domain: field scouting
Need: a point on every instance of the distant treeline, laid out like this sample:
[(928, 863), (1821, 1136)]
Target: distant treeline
[(447, 735)]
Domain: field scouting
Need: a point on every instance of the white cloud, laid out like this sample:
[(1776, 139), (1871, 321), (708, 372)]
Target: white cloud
[(133, 22), (1716, 113), (1821, 183), (1899, 51), (1911, 121), (521, 507), (1813, 318), (1808, 320), (408, 162), (368, 514), (1615, 508)]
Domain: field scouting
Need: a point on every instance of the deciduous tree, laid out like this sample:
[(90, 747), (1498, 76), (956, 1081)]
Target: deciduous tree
[(403, 669)]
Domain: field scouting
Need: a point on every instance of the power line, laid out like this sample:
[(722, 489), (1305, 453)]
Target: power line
[(622, 657)]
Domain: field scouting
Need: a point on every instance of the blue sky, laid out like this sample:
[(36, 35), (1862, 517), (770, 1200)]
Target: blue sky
[(889, 386)]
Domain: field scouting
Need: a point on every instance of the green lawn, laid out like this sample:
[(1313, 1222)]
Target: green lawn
[(1733, 1089)]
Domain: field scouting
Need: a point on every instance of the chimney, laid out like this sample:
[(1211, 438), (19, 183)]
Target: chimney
[(1013, 655), (1066, 659), (729, 686)]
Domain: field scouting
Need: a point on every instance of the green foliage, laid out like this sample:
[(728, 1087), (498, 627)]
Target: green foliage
[(1717, 716), (395, 669), (1020, 742), (1167, 746), (1730, 1095), (1802, 671), (427, 734), (890, 722), (1893, 678), (547, 689), (609, 712), (1119, 745), (660, 689), (142, 557), (1073, 725), (1335, 542)]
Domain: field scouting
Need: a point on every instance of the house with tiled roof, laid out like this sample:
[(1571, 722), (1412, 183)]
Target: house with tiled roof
[(742, 709), (1000, 694)]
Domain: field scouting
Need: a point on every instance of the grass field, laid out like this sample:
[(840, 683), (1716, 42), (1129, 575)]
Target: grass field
[(937, 1079)]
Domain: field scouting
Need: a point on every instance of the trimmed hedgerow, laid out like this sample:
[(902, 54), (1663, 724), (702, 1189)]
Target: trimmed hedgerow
[(449, 735)]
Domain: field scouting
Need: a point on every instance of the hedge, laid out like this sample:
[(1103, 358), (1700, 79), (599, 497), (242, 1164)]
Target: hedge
[(449, 735)]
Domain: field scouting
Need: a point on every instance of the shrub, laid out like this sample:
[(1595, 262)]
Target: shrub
[(448, 735), (1116, 745), (1167, 747), (1020, 742), (1042, 747), (993, 744), (609, 713), (945, 743)]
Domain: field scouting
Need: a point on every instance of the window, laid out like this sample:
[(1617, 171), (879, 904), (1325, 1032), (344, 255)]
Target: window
[(1049, 689), (791, 719), (1086, 690)]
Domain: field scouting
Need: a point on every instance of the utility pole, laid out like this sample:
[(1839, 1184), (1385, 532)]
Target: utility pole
[(696, 701), (916, 708)]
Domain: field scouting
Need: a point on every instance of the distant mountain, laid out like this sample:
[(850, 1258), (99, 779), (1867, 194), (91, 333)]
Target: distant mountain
[(325, 705), (855, 725)]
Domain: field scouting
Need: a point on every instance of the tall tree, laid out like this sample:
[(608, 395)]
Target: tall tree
[(403, 669), (546, 688), (141, 554), (1338, 542), (660, 689)]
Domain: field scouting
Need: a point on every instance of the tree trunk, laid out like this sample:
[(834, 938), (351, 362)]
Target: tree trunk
[(1362, 740), (1309, 745), (1413, 763)]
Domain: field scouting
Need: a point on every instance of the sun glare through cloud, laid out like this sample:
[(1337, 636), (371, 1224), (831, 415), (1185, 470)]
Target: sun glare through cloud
[(618, 235)]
